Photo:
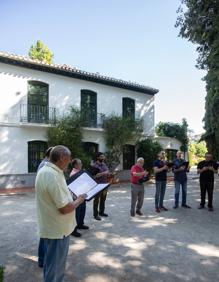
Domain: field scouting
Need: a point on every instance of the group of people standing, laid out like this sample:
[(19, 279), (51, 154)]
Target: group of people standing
[(206, 169), (60, 214)]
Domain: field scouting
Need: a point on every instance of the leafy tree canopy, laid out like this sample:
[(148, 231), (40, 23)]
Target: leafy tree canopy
[(197, 152), (68, 132), (148, 149), (175, 130), (41, 52), (198, 21)]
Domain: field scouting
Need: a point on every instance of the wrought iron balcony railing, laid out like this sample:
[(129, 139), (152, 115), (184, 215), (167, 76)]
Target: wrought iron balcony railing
[(95, 121), (37, 114), (98, 122)]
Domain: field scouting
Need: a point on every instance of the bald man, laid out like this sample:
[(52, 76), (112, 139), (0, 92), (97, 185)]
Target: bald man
[(55, 212)]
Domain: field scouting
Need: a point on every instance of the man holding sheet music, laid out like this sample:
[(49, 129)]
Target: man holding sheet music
[(160, 170), (55, 211), (100, 177), (207, 168), (180, 169)]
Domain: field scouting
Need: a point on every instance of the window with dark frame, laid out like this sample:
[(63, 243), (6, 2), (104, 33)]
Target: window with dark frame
[(36, 153), (38, 102), (128, 156), (91, 149), (89, 108), (128, 108)]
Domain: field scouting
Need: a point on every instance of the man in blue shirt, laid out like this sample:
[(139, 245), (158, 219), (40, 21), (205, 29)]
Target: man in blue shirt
[(180, 168)]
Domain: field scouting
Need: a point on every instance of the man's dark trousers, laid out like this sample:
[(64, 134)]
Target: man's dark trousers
[(208, 187), (99, 200), (80, 214)]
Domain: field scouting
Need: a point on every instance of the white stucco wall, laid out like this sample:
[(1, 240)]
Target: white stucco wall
[(169, 143), (14, 147), (63, 92)]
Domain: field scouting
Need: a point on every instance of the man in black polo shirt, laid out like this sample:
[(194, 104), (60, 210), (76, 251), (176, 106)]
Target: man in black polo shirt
[(206, 169), (160, 171)]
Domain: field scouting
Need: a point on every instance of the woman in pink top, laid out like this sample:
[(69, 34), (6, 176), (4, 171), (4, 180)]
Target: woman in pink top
[(81, 209)]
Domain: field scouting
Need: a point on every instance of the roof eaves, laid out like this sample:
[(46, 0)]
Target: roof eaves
[(74, 72)]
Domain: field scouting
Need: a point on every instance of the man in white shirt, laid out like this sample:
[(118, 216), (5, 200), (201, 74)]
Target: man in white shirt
[(55, 211)]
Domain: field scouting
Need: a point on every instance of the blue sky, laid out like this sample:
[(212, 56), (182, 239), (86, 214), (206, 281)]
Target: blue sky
[(130, 39)]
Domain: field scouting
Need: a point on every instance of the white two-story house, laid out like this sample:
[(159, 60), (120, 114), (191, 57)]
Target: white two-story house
[(33, 93)]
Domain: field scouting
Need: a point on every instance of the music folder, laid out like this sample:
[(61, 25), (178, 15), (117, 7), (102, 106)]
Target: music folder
[(83, 183)]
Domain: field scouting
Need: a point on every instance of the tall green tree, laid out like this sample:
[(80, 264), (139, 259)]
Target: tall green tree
[(41, 52), (198, 21), (175, 130), (197, 152)]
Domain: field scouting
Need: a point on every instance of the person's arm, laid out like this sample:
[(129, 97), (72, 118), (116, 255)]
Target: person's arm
[(179, 169), (99, 174), (157, 169), (138, 174), (72, 205), (201, 169)]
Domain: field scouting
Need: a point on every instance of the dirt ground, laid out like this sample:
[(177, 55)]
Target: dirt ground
[(178, 245)]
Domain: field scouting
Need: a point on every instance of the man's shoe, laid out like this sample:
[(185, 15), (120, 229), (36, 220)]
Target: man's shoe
[(157, 210), (132, 213), (85, 227), (175, 207), (186, 206), (75, 233), (104, 214), (211, 209), (139, 213), (201, 207), (40, 264), (164, 209), (97, 217)]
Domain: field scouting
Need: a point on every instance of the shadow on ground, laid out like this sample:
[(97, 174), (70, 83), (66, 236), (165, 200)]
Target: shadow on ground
[(178, 245)]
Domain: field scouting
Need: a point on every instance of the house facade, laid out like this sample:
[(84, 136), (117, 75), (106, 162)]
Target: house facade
[(34, 94)]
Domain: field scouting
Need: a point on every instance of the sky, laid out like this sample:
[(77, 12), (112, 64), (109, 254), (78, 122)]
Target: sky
[(127, 39)]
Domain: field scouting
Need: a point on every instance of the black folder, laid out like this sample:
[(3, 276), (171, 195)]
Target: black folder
[(83, 183)]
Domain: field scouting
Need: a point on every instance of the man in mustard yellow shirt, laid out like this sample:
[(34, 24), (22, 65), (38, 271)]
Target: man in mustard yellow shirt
[(55, 211)]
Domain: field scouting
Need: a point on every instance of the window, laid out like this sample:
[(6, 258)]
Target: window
[(37, 108), (128, 108), (91, 149), (89, 108), (36, 153), (128, 156)]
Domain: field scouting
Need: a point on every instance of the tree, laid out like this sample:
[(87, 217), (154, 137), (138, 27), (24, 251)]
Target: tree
[(197, 152), (175, 130), (148, 149), (41, 52), (68, 132), (200, 25), (117, 132)]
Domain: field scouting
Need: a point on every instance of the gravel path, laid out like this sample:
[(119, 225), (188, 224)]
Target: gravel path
[(178, 245)]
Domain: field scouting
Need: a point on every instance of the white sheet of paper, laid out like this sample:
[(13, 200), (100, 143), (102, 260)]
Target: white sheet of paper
[(82, 184), (95, 190)]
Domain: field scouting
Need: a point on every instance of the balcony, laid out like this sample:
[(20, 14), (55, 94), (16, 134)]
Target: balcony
[(98, 121), (37, 114)]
